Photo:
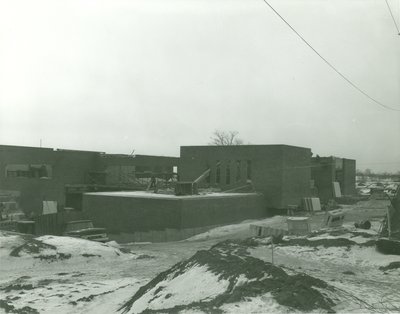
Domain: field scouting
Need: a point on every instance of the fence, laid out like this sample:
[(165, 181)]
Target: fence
[(54, 224)]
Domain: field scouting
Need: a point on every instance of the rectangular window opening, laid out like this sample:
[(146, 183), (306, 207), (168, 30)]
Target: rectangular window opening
[(28, 171), (238, 171), (228, 173), (218, 173), (249, 174)]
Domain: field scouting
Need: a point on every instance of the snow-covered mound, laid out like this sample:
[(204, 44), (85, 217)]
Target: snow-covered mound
[(54, 248), (24, 250), (51, 274), (227, 276)]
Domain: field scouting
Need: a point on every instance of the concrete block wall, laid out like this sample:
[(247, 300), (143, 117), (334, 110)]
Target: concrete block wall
[(121, 214), (129, 214)]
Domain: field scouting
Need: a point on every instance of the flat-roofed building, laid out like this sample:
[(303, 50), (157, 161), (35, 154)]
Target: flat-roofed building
[(280, 172)]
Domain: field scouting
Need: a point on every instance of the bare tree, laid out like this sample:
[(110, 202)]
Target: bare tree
[(225, 138)]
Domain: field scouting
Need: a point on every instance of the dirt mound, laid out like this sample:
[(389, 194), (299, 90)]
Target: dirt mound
[(235, 276), (9, 308), (338, 242), (393, 265), (32, 246), (341, 232)]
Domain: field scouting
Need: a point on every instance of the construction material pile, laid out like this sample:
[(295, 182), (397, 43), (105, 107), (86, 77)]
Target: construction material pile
[(389, 242)]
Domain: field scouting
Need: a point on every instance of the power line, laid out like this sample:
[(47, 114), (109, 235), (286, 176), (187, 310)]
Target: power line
[(394, 20), (329, 64)]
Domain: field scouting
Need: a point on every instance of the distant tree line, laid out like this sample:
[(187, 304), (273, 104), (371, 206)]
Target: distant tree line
[(378, 175), (225, 138)]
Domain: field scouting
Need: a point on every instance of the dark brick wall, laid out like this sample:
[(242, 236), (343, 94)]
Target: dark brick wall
[(68, 167), (151, 162), (349, 177), (280, 172), (323, 174), (122, 169), (296, 176)]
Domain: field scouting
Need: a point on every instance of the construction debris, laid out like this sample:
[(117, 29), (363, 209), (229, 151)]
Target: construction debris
[(365, 224), (335, 218), (299, 225)]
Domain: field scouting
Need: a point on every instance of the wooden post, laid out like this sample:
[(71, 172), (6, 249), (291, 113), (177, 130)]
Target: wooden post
[(272, 246)]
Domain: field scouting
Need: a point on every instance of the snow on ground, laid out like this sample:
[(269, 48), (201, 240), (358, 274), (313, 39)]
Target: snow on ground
[(261, 304), (67, 275), (149, 194), (243, 227), (226, 276), (51, 274), (356, 269), (196, 284), (354, 256), (349, 236), (65, 295), (25, 252)]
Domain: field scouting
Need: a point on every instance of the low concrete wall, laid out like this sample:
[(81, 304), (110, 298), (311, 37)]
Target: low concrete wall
[(129, 214), (132, 217)]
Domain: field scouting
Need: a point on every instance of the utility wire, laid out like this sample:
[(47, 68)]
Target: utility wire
[(394, 20), (329, 64)]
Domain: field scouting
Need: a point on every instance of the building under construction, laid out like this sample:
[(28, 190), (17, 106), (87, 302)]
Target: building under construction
[(169, 197), (32, 175)]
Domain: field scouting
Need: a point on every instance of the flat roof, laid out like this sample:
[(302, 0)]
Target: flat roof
[(102, 154), (50, 148), (244, 145), (146, 194)]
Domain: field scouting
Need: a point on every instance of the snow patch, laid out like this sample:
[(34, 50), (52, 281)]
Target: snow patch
[(261, 304), (218, 232), (196, 284), (361, 256)]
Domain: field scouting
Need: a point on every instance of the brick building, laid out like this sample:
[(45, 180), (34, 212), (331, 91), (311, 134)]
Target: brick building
[(280, 172), (34, 174)]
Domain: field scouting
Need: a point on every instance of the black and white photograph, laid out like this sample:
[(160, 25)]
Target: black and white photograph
[(199, 156)]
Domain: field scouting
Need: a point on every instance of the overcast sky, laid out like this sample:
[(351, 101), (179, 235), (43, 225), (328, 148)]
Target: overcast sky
[(152, 75)]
